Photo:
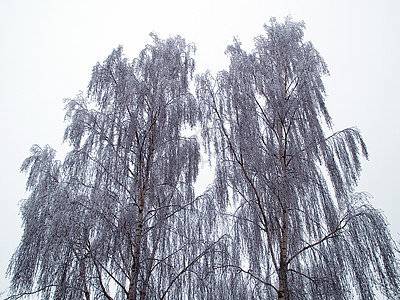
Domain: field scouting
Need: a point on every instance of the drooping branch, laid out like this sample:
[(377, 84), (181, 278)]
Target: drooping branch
[(341, 225), (186, 268), (249, 272), (20, 295)]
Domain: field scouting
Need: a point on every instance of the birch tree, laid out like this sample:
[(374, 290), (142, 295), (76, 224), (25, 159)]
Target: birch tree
[(118, 219), (300, 230)]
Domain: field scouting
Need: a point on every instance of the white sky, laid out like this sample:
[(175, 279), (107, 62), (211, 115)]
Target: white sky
[(48, 49)]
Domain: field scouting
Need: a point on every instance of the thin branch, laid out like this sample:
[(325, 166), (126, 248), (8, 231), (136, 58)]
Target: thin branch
[(30, 293), (304, 275), (112, 276), (249, 273), (332, 234), (103, 289), (188, 266)]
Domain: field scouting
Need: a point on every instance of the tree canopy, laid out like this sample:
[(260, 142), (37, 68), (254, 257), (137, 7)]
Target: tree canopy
[(115, 212), (118, 218), (266, 118)]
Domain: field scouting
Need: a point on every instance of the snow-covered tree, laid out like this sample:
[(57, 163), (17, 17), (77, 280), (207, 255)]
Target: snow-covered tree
[(119, 213), (50, 235), (300, 231), (117, 219)]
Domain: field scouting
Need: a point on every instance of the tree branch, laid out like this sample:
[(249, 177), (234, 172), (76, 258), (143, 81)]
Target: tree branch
[(249, 273), (188, 266), (330, 235), (30, 293)]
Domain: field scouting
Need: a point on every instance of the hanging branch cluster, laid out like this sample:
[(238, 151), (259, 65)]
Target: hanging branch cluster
[(118, 219)]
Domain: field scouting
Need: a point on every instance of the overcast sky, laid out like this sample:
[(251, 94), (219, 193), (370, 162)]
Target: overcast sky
[(48, 49)]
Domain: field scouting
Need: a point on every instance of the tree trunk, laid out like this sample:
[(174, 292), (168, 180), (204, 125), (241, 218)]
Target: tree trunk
[(82, 266), (136, 254), (149, 267), (135, 270), (133, 280), (283, 266), (282, 274)]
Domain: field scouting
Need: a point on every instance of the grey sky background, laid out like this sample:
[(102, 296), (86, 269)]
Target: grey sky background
[(48, 49)]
